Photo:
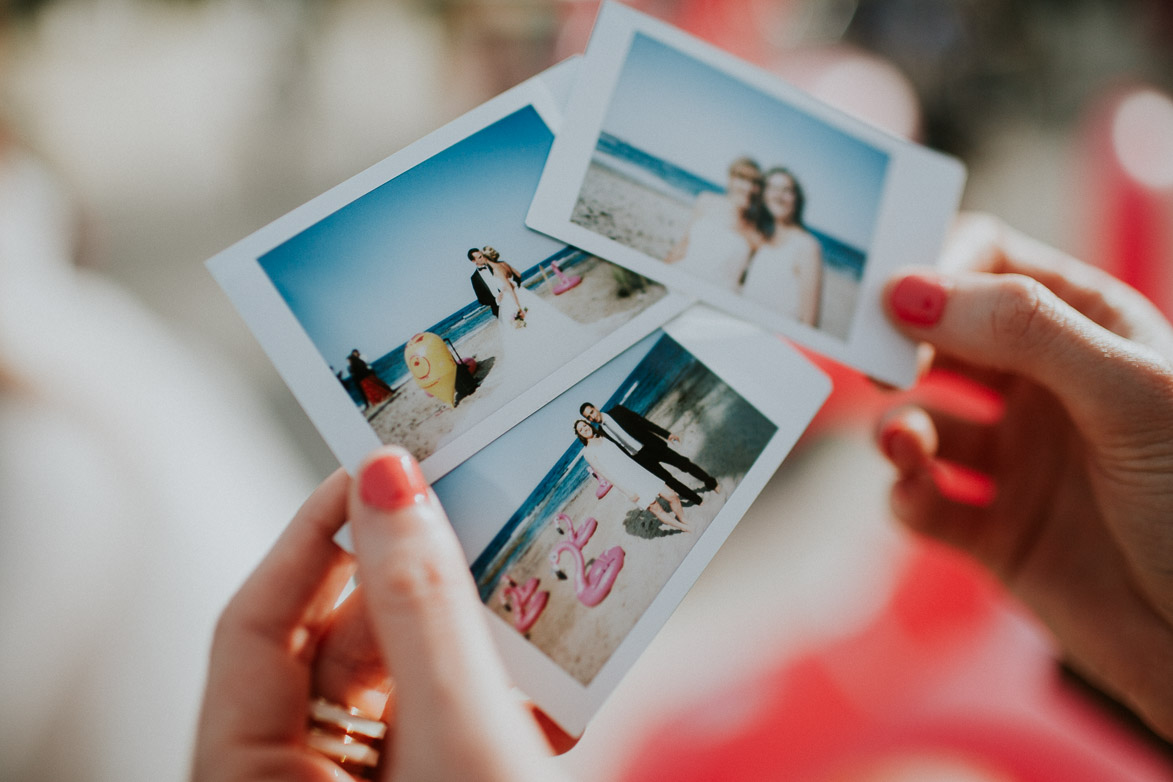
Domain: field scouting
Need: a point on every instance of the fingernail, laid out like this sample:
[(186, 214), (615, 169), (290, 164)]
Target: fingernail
[(887, 436), (918, 300), (963, 484), (899, 447), (392, 481)]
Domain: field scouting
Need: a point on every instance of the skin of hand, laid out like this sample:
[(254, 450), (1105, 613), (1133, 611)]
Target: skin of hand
[(411, 643), (1080, 520)]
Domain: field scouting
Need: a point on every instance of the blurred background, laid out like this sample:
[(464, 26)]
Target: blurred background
[(149, 453)]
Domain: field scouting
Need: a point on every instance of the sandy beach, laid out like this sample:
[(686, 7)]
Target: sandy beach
[(620, 208), (581, 639), (423, 424)]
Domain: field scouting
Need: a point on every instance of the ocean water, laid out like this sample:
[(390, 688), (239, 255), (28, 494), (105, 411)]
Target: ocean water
[(665, 367), (655, 172), (670, 180), (393, 369)]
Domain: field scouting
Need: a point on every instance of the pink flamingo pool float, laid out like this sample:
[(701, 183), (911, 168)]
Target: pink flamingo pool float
[(564, 283), (604, 484), (525, 602), (579, 536), (593, 584)]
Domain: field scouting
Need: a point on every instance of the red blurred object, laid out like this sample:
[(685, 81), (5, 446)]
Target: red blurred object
[(951, 675), (855, 397), (1130, 220), (724, 24), (729, 24)]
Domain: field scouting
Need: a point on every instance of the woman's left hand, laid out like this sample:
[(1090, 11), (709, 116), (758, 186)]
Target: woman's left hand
[(411, 645)]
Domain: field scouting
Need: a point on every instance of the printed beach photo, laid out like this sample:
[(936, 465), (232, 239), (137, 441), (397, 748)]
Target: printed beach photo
[(433, 304), (577, 518), (695, 168)]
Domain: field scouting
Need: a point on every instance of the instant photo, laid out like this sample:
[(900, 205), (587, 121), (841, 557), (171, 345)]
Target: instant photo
[(587, 522), (705, 173), (411, 305)]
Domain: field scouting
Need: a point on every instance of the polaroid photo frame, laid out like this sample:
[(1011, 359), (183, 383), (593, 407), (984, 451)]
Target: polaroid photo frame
[(716, 178), (574, 529), (410, 303)]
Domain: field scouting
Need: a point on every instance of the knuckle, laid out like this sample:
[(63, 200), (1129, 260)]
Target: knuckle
[(229, 623), (239, 620), (1097, 306), (418, 578), (222, 632), (1021, 312)]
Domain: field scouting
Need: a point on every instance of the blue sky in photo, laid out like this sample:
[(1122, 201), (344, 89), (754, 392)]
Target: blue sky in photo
[(393, 262), (699, 118), (484, 492)]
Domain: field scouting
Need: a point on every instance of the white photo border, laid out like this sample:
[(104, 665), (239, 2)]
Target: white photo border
[(306, 372), (731, 349), (921, 193)]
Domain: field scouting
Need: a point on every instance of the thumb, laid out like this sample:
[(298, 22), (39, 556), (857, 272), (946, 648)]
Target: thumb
[(1013, 323), (451, 691)]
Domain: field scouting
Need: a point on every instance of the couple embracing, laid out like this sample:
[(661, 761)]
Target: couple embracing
[(751, 239), (528, 326), (496, 286), (630, 451)]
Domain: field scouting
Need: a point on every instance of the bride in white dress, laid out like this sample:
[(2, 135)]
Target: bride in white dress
[(786, 271), (531, 330), (722, 232), (626, 475)]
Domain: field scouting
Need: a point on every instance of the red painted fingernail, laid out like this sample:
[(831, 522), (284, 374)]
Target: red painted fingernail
[(962, 484), (392, 481), (887, 436), (918, 300)]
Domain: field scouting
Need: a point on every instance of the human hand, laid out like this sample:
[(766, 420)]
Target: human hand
[(1080, 519), (410, 644), (673, 438)]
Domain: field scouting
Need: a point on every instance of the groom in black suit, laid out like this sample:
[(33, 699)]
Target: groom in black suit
[(647, 444), (480, 285)]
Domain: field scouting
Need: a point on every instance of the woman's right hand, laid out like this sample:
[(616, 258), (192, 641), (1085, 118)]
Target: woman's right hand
[(1080, 524)]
